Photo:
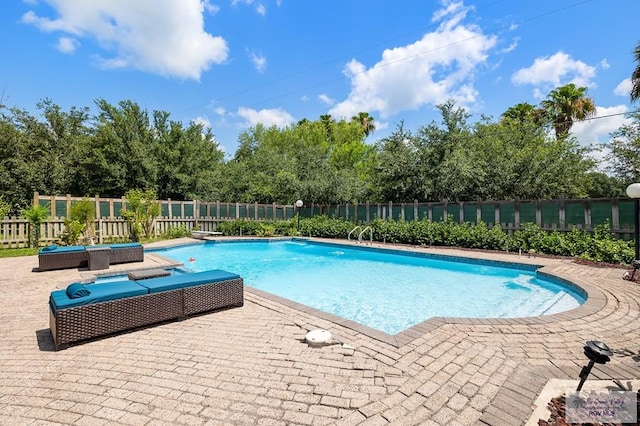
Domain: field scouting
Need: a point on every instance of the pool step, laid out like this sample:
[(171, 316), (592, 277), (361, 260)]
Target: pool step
[(547, 308)]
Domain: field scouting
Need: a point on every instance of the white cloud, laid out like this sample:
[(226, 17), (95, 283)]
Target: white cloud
[(211, 8), (440, 65), (597, 130), (204, 121), (556, 70), (67, 44), (624, 88), (267, 117), (160, 36), (305, 98), (326, 99), (512, 46), (220, 111), (259, 61), (260, 8), (604, 64)]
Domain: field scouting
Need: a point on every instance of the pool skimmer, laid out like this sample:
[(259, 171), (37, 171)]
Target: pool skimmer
[(316, 338)]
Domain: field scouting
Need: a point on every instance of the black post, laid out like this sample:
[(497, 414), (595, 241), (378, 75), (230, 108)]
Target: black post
[(298, 220), (636, 231), (636, 235), (584, 374)]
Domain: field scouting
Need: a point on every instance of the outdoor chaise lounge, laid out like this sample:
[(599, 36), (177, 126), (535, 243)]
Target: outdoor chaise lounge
[(85, 311), (54, 257)]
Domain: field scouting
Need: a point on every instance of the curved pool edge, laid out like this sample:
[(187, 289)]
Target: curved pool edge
[(595, 299)]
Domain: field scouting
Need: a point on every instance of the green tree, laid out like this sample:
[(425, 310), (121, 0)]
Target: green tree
[(635, 76), (601, 185), (189, 160), (365, 121), (300, 162), (120, 155), (5, 208), (566, 104), (398, 173), (624, 154)]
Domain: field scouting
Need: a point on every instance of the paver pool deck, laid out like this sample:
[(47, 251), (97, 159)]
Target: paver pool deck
[(250, 365)]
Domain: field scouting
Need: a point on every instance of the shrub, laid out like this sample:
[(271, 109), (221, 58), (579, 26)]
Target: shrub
[(35, 214), (601, 245), (79, 222), (142, 209), (176, 232)]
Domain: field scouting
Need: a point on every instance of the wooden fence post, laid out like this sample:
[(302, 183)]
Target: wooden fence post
[(562, 213), (516, 213), (587, 214), (96, 201), (52, 206), (615, 213)]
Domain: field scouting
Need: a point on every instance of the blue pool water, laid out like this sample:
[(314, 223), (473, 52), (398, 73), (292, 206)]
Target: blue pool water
[(388, 291)]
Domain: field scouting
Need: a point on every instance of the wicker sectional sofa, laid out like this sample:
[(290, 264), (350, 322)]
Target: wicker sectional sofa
[(53, 257), (111, 307)]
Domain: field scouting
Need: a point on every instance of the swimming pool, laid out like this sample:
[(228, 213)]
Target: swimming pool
[(387, 290)]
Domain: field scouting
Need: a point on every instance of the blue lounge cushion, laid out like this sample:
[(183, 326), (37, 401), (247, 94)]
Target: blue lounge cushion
[(76, 290), (64, 249), (124, 245), (175, 282), (50, 247), (100, 292)]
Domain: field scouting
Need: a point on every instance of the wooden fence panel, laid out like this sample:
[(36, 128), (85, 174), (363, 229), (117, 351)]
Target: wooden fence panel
[(561, 214)]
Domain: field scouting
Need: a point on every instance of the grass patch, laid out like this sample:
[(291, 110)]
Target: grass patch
[(18, 252)]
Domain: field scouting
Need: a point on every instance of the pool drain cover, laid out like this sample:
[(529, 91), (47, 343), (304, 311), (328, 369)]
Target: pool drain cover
[(318, 337)]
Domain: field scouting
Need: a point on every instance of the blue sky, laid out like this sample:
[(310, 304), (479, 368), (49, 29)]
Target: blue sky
[(234, 63)]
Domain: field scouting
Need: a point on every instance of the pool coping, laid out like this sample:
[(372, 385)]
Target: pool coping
[(595, 298)]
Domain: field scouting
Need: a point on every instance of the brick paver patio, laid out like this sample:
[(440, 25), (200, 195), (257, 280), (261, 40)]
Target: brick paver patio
[(250, 365)]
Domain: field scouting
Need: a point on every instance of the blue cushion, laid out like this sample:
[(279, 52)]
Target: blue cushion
[(100, 292), (174, 282), (50, 247), (124, 245), (76, 290), (65, 249)]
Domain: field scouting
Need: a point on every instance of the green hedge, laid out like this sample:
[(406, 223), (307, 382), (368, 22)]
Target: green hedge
[(599, 245)]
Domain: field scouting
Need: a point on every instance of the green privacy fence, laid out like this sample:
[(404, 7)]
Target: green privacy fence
[(560, 214)]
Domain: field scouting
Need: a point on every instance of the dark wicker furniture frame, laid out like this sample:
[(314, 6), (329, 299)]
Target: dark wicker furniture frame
[(78, 259), (62, 260), (79, 323), (126, 254)]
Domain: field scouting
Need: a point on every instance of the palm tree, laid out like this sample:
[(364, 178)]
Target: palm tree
[(566, 104), (366, 121), (635, 77), (521, 112)]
